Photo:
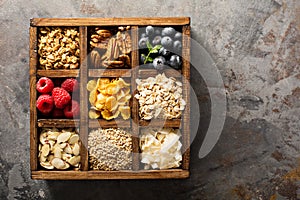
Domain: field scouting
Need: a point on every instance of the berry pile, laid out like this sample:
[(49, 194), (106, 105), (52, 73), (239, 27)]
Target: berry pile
[(161, 47), (55, 98)]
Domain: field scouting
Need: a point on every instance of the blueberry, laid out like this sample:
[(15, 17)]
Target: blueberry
[(157, 31), (168, 31), (175, 61), (178, 36), (149, 30), (159, 62), (167, 42), (143, 35), (164, 52), (156, 40), (177, 46), (143, 42)]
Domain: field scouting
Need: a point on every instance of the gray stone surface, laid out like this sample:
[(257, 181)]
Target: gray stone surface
[(256, 46)]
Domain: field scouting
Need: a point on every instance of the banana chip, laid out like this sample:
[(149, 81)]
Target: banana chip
[(109, 99), (91, 85)]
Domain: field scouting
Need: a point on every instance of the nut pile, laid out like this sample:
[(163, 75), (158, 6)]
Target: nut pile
[(109, 98), (59, 149), (161, 149), (58, 48), (110, 149), (110, 51), (160, 97)]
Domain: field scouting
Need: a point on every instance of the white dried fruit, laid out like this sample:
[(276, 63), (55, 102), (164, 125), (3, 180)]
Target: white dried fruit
[(68, 149), (160, 148)]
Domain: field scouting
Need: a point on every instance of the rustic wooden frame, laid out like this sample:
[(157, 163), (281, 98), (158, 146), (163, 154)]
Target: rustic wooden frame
[(84, 122)]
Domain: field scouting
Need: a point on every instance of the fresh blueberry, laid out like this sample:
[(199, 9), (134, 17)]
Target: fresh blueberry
[(175, 61), (177, 46), (143, 35), (164, 52), (178, 36), (149, 30), (167, 42), (168, 31), (159, 62), (156, 40), (157, 31), (143, 42)]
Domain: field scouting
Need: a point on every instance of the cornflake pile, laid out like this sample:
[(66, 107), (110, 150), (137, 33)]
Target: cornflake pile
[(59, 149), (110, 149), (160, 97), (58, 48), (109, 98), (161, 149)]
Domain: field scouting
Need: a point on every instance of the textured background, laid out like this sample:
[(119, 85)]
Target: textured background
[(256, 46)]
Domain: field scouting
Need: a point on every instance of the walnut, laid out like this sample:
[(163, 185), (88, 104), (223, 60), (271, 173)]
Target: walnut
[(58, 48)]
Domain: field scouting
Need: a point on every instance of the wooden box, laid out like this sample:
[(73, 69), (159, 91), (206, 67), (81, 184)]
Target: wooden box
[(83, 74)]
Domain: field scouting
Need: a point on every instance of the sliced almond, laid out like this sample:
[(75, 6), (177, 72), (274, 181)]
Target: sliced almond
[(63, 145), (53, 135), (45, 150), (43, 158), (43, 138), (66, 156), (47, 165), (57, 152), (68, 149), (76, 149), (58, 163), (73, 139), (74, 160), (63, 137)]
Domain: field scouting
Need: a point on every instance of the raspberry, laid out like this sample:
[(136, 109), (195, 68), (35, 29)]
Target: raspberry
[(44, 85), (70, 85), (72, 110), (44, 103), (57, 113), (61, 97)]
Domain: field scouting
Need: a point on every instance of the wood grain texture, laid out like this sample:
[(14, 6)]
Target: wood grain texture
[(33, 95), (62, 73), (143, 21), (109, 73), (83, 98), (102, 123), (144, 73), (134, 108), (174, 123), (59, 123), (186, 96), (96, 175)]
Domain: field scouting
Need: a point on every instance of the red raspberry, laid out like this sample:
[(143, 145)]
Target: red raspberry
[(57, 113), (72, 110), (44, 103), (61, 97), (70, 85), (44, 85)]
